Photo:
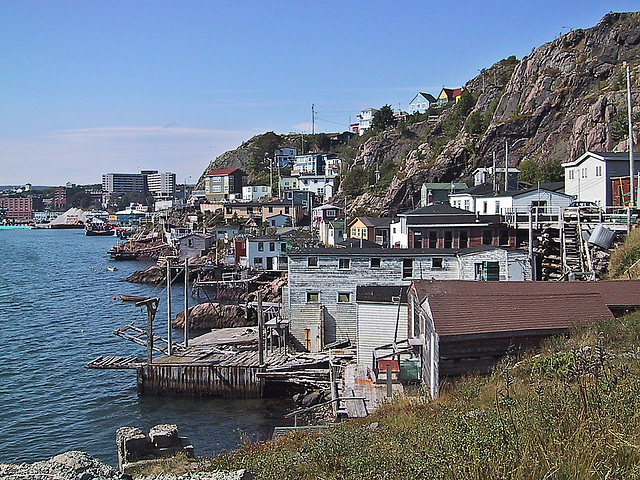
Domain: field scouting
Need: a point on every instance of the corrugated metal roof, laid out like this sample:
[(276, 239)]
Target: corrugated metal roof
[(463, 307)]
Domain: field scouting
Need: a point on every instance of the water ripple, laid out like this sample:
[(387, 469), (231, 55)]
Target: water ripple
[(58, 312)]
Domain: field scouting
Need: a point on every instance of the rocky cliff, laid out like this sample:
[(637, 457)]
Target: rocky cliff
[(566, 97)]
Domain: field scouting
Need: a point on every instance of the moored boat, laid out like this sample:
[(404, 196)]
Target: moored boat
[(132, 298)]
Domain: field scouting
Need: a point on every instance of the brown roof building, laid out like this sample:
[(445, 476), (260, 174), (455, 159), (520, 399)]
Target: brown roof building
[(461, 327)]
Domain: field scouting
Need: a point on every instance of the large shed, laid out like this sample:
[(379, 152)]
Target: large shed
[(463, 327)]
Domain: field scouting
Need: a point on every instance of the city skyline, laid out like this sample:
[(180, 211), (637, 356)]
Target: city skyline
[(92, 87)]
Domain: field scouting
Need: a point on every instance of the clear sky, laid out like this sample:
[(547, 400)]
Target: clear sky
[(90, 87)]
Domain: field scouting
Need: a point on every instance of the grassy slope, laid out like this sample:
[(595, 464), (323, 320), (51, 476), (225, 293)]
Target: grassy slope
[(570, 412), (622, 264)]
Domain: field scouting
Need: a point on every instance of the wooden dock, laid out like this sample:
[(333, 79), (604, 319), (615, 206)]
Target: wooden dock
[(224, 363), (203, 371)]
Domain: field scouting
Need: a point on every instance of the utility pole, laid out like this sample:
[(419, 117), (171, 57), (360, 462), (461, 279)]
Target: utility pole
[(260, 330), (495, 183), (186, 302), (169, 330), (631, 165), (313, 119), (506, 163)]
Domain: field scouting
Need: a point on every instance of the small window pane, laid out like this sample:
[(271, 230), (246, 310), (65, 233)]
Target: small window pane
[(312, 297), (344, 297)]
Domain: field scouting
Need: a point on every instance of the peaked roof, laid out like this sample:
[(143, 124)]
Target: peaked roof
[(223, 171), (474, 308), (372, 221), (427, 96), (451, 93), (604, 156)]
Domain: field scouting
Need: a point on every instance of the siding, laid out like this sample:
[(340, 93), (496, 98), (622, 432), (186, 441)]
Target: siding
[(377, 326)]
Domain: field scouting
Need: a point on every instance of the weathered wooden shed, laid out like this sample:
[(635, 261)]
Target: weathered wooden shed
[(463, 327), (195, 244)]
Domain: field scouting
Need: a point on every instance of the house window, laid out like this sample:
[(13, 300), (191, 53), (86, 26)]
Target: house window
[(260, 247), (270, 209), (504, 237), (331, 213), (286, 210), (344, 297), (343, 263), (598, 170), (375, 263), (257, 261), (448, 239), (272, 247), (484, 207), (312, 261), (407, 268), (467, 205), (313, 297), (571, 174), (584, 172), (417, 239), (283, 247), (497, 207), (436, 263), (433, 239), (463, 239), (487, 237), (487, 271)]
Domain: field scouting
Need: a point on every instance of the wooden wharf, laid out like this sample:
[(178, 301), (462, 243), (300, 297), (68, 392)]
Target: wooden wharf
[(224, 363)]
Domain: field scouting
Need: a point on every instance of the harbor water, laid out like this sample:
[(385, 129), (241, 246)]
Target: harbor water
[(59, 306)]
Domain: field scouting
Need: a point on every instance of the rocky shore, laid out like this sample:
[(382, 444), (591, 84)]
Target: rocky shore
[(76, 465)]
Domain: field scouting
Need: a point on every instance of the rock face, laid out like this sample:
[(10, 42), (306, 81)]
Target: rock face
[(566, 97), (213, 315), (563, 99)]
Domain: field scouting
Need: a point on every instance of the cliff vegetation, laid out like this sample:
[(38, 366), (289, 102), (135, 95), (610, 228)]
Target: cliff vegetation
[(568, 96), (568, 412)]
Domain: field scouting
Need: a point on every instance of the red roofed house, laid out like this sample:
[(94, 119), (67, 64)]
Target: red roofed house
[(449, 95), (224, 183), (461, 327)]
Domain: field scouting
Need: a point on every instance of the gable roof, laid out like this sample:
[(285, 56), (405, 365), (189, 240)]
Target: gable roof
[(486, 308), (372, 221), (451, 93), (223, 171), (603, 156), (426, 96)]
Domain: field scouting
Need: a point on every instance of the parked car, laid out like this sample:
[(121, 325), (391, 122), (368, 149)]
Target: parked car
[(581, 207)]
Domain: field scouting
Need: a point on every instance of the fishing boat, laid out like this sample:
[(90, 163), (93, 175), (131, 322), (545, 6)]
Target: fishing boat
[(97, 227)]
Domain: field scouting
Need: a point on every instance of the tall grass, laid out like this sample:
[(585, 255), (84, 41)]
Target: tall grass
[(570, 412)]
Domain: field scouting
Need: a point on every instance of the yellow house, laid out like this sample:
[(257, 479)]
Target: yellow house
[(374, 229)]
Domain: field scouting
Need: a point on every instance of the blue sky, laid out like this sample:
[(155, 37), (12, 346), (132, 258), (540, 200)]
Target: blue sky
[(117, 86)]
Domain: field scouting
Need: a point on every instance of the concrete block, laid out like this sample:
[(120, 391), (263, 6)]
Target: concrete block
[(163, 436)]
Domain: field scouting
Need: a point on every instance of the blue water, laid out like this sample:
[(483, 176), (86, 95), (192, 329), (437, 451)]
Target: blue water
[(57, 313)]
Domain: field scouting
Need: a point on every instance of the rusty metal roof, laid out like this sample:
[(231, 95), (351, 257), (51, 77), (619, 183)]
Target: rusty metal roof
[(473, 308)]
